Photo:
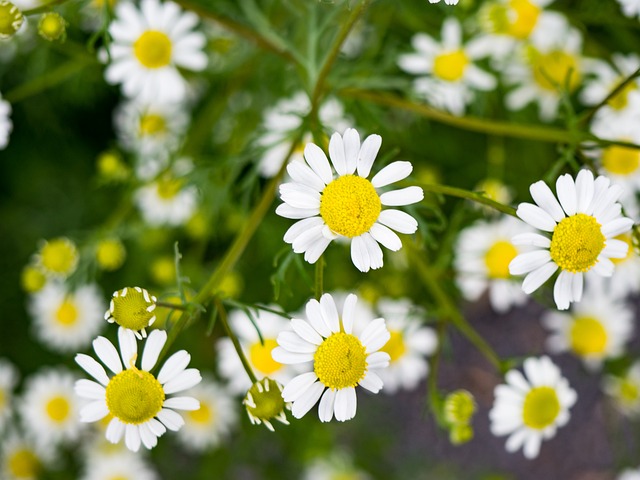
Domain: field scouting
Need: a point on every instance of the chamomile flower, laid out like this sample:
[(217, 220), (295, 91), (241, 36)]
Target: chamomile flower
[(448, 2), (57, 258), (531, 407), (5, 122), (545, 69), (67, 320), (141, 405), (483, 253), (22, 459), (626, 281), (167, 201), (579, 237), (149, 45), (409, 345), (631, 8), (334, 466), (206, 427), (347, 206), (625, 390), (50, 408), (282, 121), (595, 329), (110, 254), (448, 78), (8, 381), (133, 308), (120, 466), (258, 350), (338, 359)]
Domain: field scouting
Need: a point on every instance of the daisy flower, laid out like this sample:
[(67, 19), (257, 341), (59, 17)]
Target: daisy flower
[(206, 427), (167, 201), (631, 8), (409, 345), (595, 329), (448, 78), (580, 233), (448, 2), (264, 403), (67, 321), (149, 45), (335, 465), (50, 408), (625, 390), (483, 253), (133, 308), (57, 258), (339, 360), (531, 407), (121, 466), (284, 119), (544, 69), (626, 281), (8, 381), (139, 402), (348, 206), (21, 459), (5, 122), (258, 350)]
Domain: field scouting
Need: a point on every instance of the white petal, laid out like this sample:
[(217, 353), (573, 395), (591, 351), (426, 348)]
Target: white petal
[(392, 173), (537, 277), (615, 249), (604, 267), (544, 197), (314, 315), (325, 409), (187, 379), (301, 227), (404, 196), (345, 404), (368, 152), (371, 382), (172, 420), (174, 365), (566, 190), (286, 357), (378, 360), (292, 342), (532, 446), (529, 261), (128, 346), (156, 427), (336, 153), (584, 190), (307, 400), (352, 149), (318, 161), (182, 403), (89, 389), (308, 238), (536, 217), (330, 312), (301, 173), (348, 312), (576, 286), (108, 354), (562, 292), (297, 386), (94, 411), (93, 368), (149, 440), (152, 348), (132, 437), (312, 254), (399, 221), (287, 211), (374, 250), (617, 227), (531, 239), (375, 335), (306, 331), (299, 196), (115, 430), (360, 254), (386, 237)]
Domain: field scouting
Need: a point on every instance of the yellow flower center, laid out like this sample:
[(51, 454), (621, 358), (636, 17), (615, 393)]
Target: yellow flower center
[(395, 347), (23, 463), (260, 356), (450, 66), (168, 187), (134, 396), (621, 99), (350, 205), (620, 160), (3, 400), (629, 392), (32, 279), (541, 407), (120, 477), (110, 254), (10, 19), (133, 308), (152, 124), (588, 336), (51, 26), (498, 257), (67, 314), (58, 409), (264, 400), (626, 238), (59, 256), (340, 361), (153, 49), (550, 70), (526, 18), (576, 243), (203, 415)]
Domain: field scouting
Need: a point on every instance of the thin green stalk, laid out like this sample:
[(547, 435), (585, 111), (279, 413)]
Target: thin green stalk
[(473, 196), (433, 394), (319, 278), (172, 306), (222, 315), (451, 312), (584, 120)]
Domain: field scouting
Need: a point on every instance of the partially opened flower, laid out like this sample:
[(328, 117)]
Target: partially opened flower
[(348, 206), (139, 402), (133, 308), (339, 360), (530, 408), (579, 234)]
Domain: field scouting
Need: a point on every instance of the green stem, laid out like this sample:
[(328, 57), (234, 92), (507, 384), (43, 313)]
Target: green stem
[(584, 120), (172, 306), (452, 313), (222, 315), (435, 399), (319, 283), (43, 8), (474, 197)]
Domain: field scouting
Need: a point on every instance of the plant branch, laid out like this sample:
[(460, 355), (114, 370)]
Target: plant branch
[(584, 120), (473, 196), (222, 315)]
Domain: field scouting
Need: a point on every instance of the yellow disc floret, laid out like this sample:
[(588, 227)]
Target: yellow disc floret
[(340, 361), (588, 336), (58, 408), (498, 257), (260, 356), (450, 66), (32, 279), (620, 160), (526, 18), (110, 254), (556, 70), (203, 416), (152, 124), (134, 396), (153, 49), (350, 205), (621, 99), (264, 402), (132, 308), (11, 19), (23, 463), (576, 243), (168, 187), (59, 257), (67, 313), (52, 26), (541, 407), (395, 347)]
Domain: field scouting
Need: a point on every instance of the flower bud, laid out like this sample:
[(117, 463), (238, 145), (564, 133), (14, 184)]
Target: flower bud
[(264, 403), (52, 27), (11, 19)]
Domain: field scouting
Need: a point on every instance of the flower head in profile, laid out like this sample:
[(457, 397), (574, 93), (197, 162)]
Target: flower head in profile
[(347, 205), (579, 229), (150, 44), (530, 407), (141, 404), (339, 360)]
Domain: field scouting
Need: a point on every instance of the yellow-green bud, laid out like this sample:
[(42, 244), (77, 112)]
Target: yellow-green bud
[(264, 403), (11, 19), (132, 308), (110, 254), (460, 434), (459, 407), (52, 27), (111, 167), (32, 279)]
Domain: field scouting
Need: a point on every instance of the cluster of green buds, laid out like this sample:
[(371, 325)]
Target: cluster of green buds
[(459, 408), (264, 403)]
